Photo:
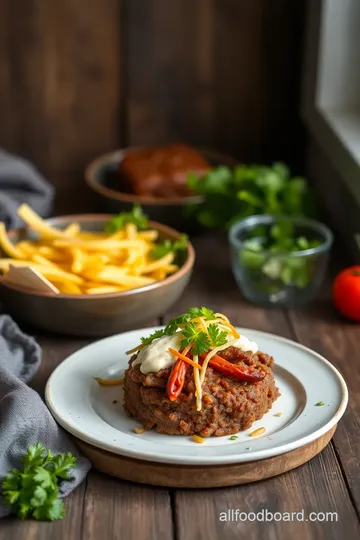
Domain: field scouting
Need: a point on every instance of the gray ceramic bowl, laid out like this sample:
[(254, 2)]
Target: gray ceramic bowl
[(104, 180), (103, 314)]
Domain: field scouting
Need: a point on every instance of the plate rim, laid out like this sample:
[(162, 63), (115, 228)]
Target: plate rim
[(212, 460)]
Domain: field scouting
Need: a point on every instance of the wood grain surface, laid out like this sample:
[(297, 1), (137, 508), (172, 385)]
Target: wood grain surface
[(115, 509), (76, 82)]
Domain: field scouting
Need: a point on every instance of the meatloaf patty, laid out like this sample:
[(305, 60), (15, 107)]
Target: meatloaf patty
[(162, 171), (228, 405)]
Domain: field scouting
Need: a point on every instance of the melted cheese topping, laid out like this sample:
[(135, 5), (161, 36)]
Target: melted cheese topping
[(156, 356)]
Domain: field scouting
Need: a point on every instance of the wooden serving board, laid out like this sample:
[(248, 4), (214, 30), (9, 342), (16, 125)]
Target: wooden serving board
[(206, 476)]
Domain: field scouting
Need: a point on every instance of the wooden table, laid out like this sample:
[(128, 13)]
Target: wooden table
[(107, 508)]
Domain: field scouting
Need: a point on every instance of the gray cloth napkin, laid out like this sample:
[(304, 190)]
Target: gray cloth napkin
[(20, 182), (24, 417)]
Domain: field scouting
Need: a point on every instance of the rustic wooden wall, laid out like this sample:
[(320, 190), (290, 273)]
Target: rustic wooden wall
[(81, 78)]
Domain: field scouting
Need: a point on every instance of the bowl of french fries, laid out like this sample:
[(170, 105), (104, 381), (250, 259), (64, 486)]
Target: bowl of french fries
[(92, 275)]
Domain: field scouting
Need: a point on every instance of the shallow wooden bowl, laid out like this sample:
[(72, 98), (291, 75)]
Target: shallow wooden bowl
[(102, 314)]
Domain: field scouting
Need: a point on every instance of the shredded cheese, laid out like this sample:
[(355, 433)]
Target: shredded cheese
[(138, 348), (203, 324), (222, 316), (109, 382), (257, 432), (198, 391), (229, 328), (198, 439)]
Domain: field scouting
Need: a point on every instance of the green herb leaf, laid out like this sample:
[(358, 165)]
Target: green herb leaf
[(12, 481), (34, 456), (205, 312), (52, 511), (174, 323), (39, 497), (43, 477), (232, 194), (160, 250), (233, 437), (155, 335), (192, 313), (34, 491), (136, 216), (199, 339), (319, 404), (62, 463), (217, 337), (12, 496), (24, 510), (56, 510)]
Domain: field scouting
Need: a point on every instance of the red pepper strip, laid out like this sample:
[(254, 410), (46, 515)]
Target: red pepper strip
[(233, 370), (176, 379)]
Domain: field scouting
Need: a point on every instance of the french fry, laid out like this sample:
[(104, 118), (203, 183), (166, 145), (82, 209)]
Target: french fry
[(130, 231), (95, 263), (118, 276), (41, 259), (158, 274), (72, 230), (170, 268), (104, 289), (26, 247), (79, 260), (98, 245), (66, 287), (39, 225), (8, 247), (88, 235), (150, 235), (86, 262), (47, 270), (55, 255), (164, 261)]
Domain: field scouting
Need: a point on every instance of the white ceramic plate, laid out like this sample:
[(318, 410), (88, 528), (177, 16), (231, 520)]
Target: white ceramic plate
[(87, 410)]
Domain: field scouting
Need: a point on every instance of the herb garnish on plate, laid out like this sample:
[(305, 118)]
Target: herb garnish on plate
[(201, 341)]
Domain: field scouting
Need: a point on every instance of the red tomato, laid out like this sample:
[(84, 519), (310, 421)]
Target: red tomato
[(346, 292)]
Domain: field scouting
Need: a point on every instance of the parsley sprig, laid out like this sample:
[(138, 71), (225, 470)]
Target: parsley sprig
[(217, 337), (136, 216), (160, 250), (200, 340), (33, 491)]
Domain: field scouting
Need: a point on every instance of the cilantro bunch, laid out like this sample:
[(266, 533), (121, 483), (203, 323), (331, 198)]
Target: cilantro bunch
[(200, 340), (233, 194), (33, 491)]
